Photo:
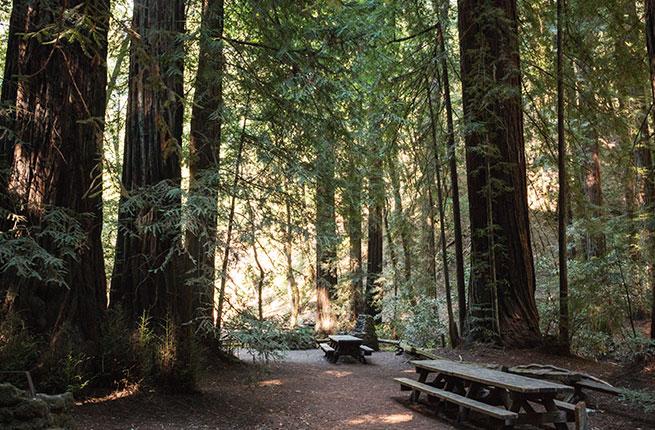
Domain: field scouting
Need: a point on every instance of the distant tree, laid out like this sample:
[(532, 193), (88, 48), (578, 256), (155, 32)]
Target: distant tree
[(326, 234), (375, 223), (502, 277), (562, 201)]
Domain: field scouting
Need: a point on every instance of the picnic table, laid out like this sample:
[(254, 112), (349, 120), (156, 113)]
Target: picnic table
[(340, 345), (505, 398)]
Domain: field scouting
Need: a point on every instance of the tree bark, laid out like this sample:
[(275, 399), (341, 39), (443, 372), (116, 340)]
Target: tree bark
[(144, 276), (375, 235), (353, 202), (562, 201), (204, 154), (292, 285), (60, 88), (8, 92), (452, 326), (502, 278), (399, 219), (452, 166), (230, 224), (326, 236), (650, 41)]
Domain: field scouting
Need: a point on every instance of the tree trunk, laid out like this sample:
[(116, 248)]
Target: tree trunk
[(292, 285), (60, 89), (452, 326), (375, 237), (650, 203), (396, 281), (326, 237), (262, 272), (230, 225), (562, 201), (399, 219), (452, 165), (144, 281), (204, 154), (595, 245), (8, 92), (502, 278), (353, 202)]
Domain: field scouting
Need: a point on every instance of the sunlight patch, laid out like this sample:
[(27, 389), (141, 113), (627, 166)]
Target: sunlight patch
[(381, 419), (338, 373), (114, 395), (270, 382)]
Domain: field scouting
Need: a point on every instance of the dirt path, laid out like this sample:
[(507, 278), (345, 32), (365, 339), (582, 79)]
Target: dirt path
[(302, 392)]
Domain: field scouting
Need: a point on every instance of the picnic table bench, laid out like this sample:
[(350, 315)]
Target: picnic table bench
[(581, 382), (505, 398), (340, 345)]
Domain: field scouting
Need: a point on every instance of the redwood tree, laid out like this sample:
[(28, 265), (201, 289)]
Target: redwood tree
[(650, 196), (502, 276), (326, 235), (59, 83), (204, 149), (144, 277), (375, 238)]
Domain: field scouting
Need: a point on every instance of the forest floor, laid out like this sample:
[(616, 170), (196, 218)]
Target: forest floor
[(304, 391)]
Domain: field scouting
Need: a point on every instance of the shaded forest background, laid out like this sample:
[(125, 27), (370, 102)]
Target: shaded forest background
[(206, 174)]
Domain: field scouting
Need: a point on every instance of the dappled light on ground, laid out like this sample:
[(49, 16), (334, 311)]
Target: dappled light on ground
[(337, 373), (114, 395), (388, 419), (270, 382)]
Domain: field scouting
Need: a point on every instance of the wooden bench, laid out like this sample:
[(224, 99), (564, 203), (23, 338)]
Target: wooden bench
[(577, 412), (327, 349), (598, 386), (395, 343), (507, 417), (366, 350)]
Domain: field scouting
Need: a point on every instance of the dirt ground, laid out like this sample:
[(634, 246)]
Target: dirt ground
[(304, 391)]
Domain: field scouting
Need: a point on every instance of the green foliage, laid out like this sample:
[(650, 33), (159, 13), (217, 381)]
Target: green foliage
[(641, 398), (266, 339), (418, 323), (22, 254), (18, 349)]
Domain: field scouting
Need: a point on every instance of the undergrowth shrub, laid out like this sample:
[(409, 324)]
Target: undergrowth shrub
[(268, 338), (420, 324), (18, 349), (641, 398)]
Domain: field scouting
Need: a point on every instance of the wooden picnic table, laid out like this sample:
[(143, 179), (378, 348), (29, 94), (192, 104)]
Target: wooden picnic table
[(345, 345), (509, 399)]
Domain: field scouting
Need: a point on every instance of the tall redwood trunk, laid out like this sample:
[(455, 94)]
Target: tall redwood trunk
[(292, 284), (375, 236), (595, 244), (204, 158), (562, 200), (143, 281), (17, 23), (650, 40), (60, 89), (326, 237), (353, 203), (502, 276), (454, 182), (453, 333)]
